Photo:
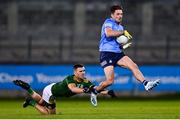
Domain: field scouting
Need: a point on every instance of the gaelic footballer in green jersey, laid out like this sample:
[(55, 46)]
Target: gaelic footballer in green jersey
[(71, 85), (61, 88)]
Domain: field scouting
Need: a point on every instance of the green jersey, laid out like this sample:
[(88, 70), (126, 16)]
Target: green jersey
[(61, 88)]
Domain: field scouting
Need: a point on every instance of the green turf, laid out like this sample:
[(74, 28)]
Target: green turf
[(107, 108)]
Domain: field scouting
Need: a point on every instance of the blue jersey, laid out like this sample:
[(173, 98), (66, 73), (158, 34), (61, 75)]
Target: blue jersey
[(110, 44)]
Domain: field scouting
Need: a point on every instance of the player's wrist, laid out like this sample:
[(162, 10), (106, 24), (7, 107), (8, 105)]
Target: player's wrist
[(93, 89), (85, 90), (121, 32)]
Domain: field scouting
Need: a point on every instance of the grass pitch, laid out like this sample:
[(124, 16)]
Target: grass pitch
[(78, 108)]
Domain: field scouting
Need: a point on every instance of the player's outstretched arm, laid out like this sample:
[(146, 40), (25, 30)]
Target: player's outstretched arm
[(75, 89)]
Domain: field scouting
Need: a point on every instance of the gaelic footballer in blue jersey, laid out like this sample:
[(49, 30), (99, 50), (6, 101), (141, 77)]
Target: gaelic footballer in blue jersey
[(111, 52)]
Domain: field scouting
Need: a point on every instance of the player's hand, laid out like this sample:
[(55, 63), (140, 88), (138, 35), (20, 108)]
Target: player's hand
[(127, 45), (92, 89), (126, 33), (86, 90)]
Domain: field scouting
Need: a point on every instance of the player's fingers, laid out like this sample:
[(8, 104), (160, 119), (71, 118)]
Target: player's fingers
[(130, 37), (127, 45)]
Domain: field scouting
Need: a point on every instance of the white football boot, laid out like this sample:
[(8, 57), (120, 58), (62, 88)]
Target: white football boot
[(93, 99), (151, 84)]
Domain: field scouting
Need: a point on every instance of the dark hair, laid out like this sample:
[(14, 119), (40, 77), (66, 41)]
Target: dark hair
[(77, 66), (115, 7)]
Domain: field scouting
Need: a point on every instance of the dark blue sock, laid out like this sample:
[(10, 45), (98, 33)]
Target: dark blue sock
[(145, 82)]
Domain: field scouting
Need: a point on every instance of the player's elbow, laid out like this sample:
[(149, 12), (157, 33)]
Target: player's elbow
[(108, 35)]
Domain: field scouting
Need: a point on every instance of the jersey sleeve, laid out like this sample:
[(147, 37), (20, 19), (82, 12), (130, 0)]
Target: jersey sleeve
[(108, 24)]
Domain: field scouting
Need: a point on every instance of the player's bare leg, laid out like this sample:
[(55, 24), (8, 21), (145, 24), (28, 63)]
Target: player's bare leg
[(36, 96), (28, 88), (126, 62), (41, 108), (44, 110), (36, 100), (109, 73), (108, 92)]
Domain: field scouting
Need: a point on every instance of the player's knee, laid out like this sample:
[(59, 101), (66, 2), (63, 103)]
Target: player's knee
[(34, 95), (45, 112), (48, 111)]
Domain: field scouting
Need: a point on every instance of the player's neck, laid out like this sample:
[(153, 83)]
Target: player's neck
[(115, 21), (78, 79)]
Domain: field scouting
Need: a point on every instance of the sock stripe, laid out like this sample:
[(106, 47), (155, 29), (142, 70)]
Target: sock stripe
[(145, 82), (30, 91)]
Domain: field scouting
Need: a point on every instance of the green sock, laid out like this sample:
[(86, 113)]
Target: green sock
[(32, 103), (30, 91)]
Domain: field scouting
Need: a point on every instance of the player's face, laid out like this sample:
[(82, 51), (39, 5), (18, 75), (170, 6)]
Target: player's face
[(117, 15), (80, 72)]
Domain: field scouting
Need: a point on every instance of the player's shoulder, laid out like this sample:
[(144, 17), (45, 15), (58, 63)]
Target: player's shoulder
[(109, 20), (69, 77)]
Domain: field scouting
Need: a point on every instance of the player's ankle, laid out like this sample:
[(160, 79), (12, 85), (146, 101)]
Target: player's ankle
[(145, 82), (32, 103), (95, 91)]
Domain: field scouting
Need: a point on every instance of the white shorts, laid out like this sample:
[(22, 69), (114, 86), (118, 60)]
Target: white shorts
[(47, 94)]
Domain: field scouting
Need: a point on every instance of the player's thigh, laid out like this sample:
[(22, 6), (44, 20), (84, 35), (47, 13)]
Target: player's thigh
[(47, 94), (109, 73), (51, 108), (126, 62), (41, 101)]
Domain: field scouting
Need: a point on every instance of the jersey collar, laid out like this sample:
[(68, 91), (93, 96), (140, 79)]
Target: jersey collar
[(78, 79), (115, 21)]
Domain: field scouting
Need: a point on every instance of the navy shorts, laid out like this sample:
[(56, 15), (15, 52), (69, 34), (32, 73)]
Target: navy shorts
[(110, 58)]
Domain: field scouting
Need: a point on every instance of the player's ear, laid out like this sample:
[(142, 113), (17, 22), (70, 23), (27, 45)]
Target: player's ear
[(74, 71), (111, 15)]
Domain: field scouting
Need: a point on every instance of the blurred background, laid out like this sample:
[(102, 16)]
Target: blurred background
[(41, 39)]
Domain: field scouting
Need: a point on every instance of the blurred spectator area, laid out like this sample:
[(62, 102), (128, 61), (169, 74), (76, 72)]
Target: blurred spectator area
[(68, 31)]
